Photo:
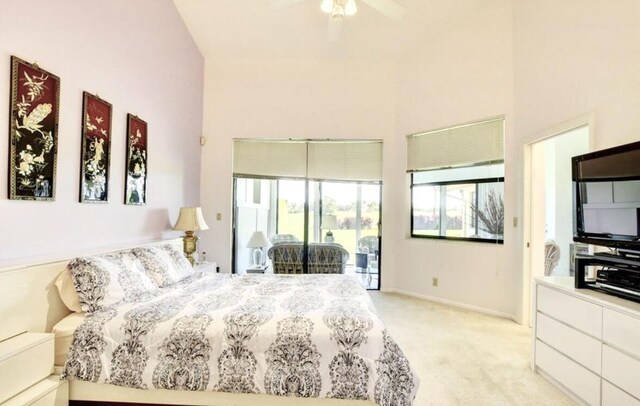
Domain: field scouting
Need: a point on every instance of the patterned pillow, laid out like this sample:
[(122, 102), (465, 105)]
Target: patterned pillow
[(165, 265), (104, 280)]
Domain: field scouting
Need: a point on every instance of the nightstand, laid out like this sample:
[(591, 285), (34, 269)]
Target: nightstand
[(26, 363), (206, 267)]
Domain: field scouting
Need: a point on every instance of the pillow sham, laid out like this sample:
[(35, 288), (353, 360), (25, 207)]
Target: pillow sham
[(67, 291), (104, 280), (165, 265)]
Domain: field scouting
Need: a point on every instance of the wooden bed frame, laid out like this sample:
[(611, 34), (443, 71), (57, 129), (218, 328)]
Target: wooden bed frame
[(29, 301)]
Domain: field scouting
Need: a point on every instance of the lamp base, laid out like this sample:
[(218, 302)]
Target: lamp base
[(189, 245), (329, 237), (257, 257)]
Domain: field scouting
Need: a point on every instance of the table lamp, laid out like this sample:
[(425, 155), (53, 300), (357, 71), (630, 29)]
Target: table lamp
[(329, 221), (257, 241), (190, 220)]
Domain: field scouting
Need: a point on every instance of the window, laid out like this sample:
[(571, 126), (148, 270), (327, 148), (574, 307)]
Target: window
[(457, 182), (306, 193)]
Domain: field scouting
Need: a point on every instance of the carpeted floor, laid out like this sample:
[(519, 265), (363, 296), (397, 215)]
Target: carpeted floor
[(463, 357)]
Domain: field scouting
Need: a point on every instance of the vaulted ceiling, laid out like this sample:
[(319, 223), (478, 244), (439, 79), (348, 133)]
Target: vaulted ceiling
[(248, 29)]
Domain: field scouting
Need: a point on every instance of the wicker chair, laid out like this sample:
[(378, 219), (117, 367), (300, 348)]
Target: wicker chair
[(287, 258)]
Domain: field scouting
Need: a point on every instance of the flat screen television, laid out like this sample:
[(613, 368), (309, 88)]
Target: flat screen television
[(606, 186)]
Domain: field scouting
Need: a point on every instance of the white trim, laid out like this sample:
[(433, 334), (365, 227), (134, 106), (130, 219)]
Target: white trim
[(454, 304), (525, 147)]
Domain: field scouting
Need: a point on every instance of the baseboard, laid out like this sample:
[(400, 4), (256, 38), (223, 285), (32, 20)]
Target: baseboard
[(455, 304)]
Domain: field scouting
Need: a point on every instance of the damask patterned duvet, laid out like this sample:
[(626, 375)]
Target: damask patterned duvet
[(288, 335)]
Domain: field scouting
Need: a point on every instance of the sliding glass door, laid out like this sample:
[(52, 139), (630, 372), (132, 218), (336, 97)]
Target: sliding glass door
[(307, 206), (346, 214)]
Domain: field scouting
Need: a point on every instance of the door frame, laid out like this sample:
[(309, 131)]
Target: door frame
[(588, 120)]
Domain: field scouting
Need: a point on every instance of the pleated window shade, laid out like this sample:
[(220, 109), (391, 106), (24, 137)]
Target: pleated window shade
[(317, 160), (349, 161), (270, 158), (465, 145)]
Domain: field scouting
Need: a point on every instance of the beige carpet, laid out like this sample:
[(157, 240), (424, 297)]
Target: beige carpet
[(463, 357)]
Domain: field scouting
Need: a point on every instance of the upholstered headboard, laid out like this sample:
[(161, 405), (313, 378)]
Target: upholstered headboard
[(29, 301)]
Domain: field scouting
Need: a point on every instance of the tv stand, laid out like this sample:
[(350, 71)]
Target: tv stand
[(613, 262)]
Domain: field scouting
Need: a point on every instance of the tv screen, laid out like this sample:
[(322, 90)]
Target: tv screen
[(607, 197)]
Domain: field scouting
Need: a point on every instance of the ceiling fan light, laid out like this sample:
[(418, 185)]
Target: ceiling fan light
[(338, 11), (326, 6), (350, 8)]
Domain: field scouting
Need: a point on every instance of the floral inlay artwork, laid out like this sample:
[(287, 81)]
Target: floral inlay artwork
[(96, 149), (136, 179), (33, 131)]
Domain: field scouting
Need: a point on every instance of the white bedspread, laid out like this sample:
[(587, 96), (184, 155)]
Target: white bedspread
[(298, 335)]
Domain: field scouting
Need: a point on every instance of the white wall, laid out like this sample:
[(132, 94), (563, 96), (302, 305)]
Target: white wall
[(370, 99), (539, 63), (140, 57), (286, 99), (573, 58), (465, 75)]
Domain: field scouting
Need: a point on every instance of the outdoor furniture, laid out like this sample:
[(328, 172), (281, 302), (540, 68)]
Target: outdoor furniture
[(287, 258)]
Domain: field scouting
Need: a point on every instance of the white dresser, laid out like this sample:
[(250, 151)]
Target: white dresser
[(26, 364), (587, 343)]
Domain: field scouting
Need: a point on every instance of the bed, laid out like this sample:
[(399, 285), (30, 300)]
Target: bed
[(224, 339)]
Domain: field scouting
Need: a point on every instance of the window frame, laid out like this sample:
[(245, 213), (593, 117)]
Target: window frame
[(443, 185)]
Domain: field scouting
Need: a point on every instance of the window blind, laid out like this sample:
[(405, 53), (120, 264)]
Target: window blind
[(270, 158), (349, 161), (317, 160), (459, 146)]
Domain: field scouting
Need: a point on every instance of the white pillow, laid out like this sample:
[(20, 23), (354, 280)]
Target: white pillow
[(165, 265), (104, 280), (67, 291)]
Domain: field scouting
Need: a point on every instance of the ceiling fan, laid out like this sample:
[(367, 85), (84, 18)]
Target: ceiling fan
[(338, 9)]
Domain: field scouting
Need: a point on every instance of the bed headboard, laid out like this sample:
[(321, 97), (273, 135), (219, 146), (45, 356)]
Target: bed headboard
[(29, 301)]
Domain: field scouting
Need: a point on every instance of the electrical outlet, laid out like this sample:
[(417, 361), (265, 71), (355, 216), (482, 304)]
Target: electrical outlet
[(435, 282)]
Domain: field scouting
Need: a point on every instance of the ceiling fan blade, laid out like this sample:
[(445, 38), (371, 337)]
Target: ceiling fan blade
[(389, 8), (278, 4), (335, 27)]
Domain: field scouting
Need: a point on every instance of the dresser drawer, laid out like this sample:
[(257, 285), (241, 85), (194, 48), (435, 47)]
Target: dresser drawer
[(578, 346), (612, 396), (621, 370), (24, 360), (579, 380), (622, 331), (580, 314)]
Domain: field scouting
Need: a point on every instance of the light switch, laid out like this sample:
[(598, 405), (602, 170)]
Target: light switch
[(515, 222), (218, 216)]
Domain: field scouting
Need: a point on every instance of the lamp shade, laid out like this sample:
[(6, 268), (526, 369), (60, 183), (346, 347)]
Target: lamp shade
[(190, 219), (258, 240), (329, 222)]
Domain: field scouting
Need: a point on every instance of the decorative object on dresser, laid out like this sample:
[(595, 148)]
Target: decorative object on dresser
[(137, 169), (258, 241), (96, 149), (329, 222), (587, 343), (189, 221), (26, 363), (33, 131), (551, 256)]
